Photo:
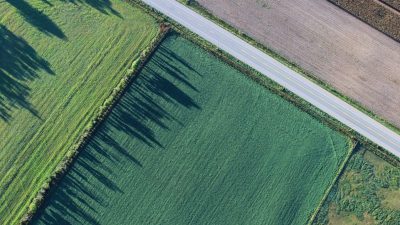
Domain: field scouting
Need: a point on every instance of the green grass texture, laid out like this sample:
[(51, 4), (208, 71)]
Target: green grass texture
[(368, 192), (59, 61), (194, 141)]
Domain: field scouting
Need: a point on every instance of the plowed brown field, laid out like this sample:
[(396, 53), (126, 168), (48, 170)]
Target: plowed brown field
[(336, 47)]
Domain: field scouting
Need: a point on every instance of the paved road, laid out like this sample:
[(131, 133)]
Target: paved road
[(278, 72)]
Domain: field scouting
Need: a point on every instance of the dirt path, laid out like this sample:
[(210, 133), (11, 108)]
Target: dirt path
[(356, 59)]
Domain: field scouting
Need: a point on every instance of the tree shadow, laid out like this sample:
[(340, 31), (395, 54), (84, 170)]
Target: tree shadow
[(47, 2), (103, 6), (146, 108), (37, 19), (19, 63), (44, 24)]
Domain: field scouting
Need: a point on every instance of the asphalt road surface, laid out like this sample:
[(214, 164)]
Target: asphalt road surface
[(281, 74)]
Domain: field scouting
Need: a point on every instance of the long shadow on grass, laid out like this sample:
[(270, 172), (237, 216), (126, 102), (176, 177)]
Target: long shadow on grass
[(19, 64), (136, 120), (44, 24), (104, 6), (36, 18)]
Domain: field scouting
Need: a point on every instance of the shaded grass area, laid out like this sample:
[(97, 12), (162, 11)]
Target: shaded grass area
[(104, 6), (36, 18), (59, 61), (19, 62), (194, 141), (368, 192)]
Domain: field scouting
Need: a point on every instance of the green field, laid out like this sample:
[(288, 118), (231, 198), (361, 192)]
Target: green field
[(59, 61), (193, 141), (368, 192)]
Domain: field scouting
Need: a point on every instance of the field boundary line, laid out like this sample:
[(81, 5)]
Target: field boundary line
[(250, 72), (137, 65), (272, 85), (353, 148), (194, 5), (356, 139), (387, 28)]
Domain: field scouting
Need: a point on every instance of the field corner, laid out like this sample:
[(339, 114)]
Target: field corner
[(354, 146)]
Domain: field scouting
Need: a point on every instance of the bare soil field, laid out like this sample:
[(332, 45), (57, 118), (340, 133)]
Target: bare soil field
[(336, 47), (393, 3), (376, 13)]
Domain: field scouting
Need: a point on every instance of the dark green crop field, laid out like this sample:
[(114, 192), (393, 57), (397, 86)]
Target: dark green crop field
[(193, 141), (59, 61)]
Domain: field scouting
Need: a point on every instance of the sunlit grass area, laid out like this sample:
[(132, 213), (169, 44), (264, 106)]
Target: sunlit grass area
[(59, 60)]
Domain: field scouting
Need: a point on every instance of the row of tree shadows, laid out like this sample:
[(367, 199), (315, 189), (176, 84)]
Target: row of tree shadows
[(43, 23), (20, 63), (137, 115)]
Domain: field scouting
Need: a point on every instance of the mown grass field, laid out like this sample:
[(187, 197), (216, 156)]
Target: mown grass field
[(193, 141), (368, 192), (59, 61)]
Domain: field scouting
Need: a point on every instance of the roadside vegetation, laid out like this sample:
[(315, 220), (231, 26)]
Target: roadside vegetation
[(60, 60), (368, 192), (194, 141), (357, 103)]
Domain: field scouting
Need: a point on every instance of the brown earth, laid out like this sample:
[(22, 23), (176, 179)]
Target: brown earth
[(336, 47), (376, 13), (393, 3)]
